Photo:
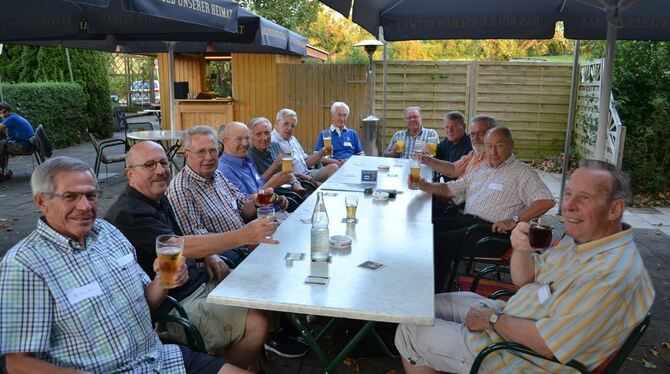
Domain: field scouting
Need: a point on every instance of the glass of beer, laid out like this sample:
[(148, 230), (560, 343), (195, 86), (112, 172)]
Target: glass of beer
[(432, 148), (286, 162), (327, 142), (401, 145), (539, 234), (169, 249), (351, 203), (265, 196), (414, 173), (265, 211)]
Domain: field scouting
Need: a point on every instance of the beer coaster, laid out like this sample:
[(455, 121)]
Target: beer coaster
[(380, 196), (383, 168), (333, 194), (306, 220), (317, 279), (294, 256), (344, 220)]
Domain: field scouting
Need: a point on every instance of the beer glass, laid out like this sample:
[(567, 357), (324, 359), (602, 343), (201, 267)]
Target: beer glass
[(351, 203), (414, 173), (327, 142), (432, 148), (287, 162), (539, 234), (401, 145), (265, 211), (169, 249)]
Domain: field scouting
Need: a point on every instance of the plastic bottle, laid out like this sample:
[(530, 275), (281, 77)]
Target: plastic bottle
[(319, 233)]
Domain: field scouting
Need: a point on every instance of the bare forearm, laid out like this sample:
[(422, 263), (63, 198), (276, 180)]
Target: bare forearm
[(439, 189), (522, 331), (269, 172), (536, 209), (154, 294), (201, 246), (19, 363), (313, 159), (522, 268), (443, 167), (248, 210)]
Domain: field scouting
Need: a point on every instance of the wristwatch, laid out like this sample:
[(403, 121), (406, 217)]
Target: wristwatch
[(516, 219), (493, 319)]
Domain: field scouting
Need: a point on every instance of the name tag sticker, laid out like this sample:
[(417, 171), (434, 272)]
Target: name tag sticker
[(495, 186), (347, 144), (543, 293), (234, 204), (125, 260), (88, 291)]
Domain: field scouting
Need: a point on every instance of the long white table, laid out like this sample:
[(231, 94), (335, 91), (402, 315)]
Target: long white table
[(397, 233)]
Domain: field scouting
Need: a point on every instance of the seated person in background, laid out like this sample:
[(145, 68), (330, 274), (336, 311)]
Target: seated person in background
[(455, 144), (142, 213), (479, 125), (15, 134), (579, 300), (345, 140), (287, 120), (498, 195), (266, 154), (238, 168), (408, 137), (74, 299)]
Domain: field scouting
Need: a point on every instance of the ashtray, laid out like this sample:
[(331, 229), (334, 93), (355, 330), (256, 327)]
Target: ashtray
[(340, 241), (383, 168), (380, 195)]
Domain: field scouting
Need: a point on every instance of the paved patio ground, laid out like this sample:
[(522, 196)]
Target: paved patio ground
[(18, 216)]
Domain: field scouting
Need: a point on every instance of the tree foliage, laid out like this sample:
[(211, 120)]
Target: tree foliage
[(296, 15)]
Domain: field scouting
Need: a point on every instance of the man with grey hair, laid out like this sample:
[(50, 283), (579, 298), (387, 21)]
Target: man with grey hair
[(286, 122), (73, 294), (579, 300), (455, 144), (345, 140), (410, 135)]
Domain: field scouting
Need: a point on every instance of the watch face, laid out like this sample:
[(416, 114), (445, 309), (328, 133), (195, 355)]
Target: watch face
[(493, 318)]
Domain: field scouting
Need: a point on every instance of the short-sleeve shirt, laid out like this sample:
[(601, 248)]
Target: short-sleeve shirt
[(453, 152), (142, 220), (80, 306), (425, 135), (469, 162), (263, 159), (241, 172), (345, 143), (600, 291), (18, 129), (205, 206), (299, 155), (498, 194)]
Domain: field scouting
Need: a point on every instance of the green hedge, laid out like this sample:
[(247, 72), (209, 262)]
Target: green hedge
[(59, 106)]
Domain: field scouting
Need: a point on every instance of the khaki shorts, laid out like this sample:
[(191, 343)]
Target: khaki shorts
[(319, 174), (219, 325)]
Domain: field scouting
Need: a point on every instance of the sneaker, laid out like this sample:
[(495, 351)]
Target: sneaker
[(285, 346)]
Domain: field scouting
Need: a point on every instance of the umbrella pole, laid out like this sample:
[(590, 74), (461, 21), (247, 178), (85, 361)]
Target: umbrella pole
[(571, 123), (385, 58), (171, 80), (605, 91)]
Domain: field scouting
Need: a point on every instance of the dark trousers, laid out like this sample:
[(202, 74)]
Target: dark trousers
[(451, 244)]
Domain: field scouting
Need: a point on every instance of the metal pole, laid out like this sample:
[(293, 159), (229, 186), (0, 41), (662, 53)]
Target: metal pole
[(69, 64), (571, 122), (605, 91), (384, 78), (371, 83), (171, 79)]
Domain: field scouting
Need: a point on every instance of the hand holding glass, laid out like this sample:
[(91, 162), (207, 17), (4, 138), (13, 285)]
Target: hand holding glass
[(169, 249), (327, 143), (539, 234)]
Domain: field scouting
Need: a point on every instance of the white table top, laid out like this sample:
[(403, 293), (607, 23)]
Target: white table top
[(155, 135), (401, 291)]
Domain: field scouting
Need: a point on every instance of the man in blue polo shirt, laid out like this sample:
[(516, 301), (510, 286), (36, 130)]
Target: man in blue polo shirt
[(17, 138), (345, 140)]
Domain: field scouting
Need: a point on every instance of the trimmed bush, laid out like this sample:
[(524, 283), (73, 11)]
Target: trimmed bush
[(59, 106)]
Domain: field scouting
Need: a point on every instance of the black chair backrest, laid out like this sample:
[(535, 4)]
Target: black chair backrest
[(120, 117), (623, 352), (43, 143), (96, 145)]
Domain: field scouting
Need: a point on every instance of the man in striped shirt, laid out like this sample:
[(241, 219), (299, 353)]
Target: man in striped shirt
[(578, 300), (409, 136)]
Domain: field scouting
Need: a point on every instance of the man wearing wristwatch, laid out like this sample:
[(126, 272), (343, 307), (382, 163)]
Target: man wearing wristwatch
[(497, 196), (579, 300)]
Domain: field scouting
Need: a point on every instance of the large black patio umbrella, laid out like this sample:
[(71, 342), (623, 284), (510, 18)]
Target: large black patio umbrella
[(397, 20)]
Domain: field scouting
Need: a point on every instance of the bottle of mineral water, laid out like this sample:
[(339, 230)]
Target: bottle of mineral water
[(319, 233)]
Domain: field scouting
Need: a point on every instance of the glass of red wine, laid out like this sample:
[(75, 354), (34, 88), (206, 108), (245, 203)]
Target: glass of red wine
[(539, 234)]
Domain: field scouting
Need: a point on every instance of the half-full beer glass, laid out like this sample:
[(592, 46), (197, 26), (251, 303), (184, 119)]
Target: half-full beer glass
[(169, 249), (327, 142), (351, 203)]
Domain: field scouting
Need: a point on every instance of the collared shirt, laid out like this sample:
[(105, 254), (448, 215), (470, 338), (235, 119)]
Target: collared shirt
[(205, 205), (142, 220), (18, 129), (263, 159), (80, 306), (470, 162), (498, 194), (599, 292), (425, 135), (453, 152), (241, 172), (299, 155), (345, 143)]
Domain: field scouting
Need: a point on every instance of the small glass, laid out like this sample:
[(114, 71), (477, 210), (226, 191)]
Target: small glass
[(351, 203), (266, 211), (265, 196), (169, 249), (539, 234)]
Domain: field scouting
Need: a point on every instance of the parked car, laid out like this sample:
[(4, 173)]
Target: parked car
[(139, 92)]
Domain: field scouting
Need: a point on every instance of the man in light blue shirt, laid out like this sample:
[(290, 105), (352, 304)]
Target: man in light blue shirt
[(345, 140)]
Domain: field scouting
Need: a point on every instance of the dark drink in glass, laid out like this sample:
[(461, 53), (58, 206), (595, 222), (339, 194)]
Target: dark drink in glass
[(265, 197), (539, 235)]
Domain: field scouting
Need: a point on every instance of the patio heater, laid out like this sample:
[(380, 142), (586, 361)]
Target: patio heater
[(371, 122)]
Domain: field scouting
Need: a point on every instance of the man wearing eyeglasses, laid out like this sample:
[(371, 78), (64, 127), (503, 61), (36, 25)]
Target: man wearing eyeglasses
[(143, 212), (73, 296), (409, 136)]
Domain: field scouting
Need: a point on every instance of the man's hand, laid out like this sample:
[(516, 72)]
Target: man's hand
[(282, 201), (276, 164), (283, 177), (297, 188), (181, 277), (305, 177), (259, 230), (477, 319), (519, 238), (216, 268), (503, 226)]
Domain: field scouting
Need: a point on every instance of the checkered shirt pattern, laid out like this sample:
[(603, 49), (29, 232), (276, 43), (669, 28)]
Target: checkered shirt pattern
[(498, 194), (425, 135), (205, 206), (109, 332)]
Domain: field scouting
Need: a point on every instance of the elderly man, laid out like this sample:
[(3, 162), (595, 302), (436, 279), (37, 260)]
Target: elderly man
[(479, 125), (266, 154), (142, 213), (578, 300), (408, 137), (456, 144), (17, 140), (345, 140), (74, 298), (497, 195), (287, 120)]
